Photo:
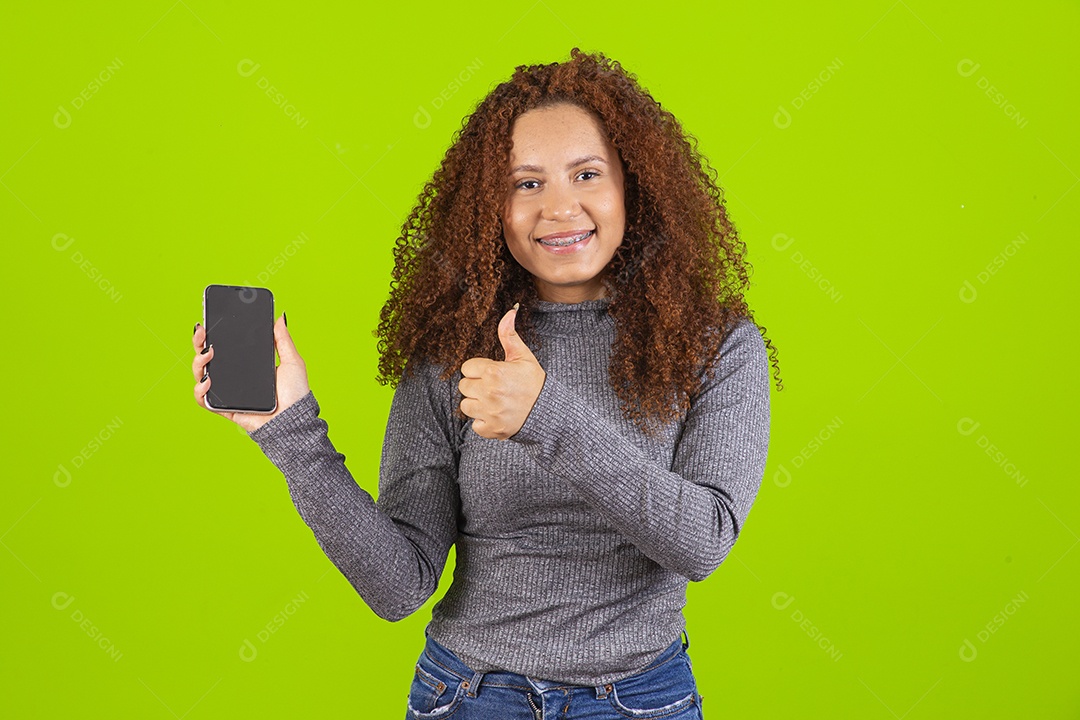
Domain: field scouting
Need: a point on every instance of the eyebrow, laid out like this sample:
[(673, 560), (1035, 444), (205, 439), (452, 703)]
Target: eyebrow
[(572, 164)]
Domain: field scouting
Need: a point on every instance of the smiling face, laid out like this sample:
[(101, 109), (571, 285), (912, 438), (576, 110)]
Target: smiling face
[(565, 215)]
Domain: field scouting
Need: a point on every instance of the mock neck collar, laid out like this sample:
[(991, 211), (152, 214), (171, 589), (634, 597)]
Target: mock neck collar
[(581, 318)]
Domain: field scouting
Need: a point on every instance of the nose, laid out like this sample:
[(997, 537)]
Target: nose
[(560, 203)]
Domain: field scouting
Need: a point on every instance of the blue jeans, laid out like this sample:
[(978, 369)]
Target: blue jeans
[(445, 688)]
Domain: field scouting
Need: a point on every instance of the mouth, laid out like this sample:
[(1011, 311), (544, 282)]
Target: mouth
[(564, 240)]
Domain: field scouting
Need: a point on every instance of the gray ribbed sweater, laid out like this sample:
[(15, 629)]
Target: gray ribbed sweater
[(575, 538)]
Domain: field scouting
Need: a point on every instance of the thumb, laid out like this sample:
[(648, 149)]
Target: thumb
[(284, 344), (512, 344)]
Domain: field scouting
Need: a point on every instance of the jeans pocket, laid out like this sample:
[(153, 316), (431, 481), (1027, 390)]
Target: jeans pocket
[(652, 707), (666, 691), (435, 692)]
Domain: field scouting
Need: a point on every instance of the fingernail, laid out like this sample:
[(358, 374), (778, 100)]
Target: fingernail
[(516, 305), (205, 375), (206, 349), (286, 319), (196, 329)]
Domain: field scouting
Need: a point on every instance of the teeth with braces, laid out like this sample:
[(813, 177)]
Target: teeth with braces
[(567, 241)]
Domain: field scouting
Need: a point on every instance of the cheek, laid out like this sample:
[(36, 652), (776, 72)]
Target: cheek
[(511, 217), (612, 198), (515, 222), (516, 231), (615, 210)]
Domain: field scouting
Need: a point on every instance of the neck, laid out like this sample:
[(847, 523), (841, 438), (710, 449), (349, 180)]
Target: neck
[(571, 295), (588, 318)]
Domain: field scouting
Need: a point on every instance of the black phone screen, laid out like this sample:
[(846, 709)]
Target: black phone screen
[(239, 323)]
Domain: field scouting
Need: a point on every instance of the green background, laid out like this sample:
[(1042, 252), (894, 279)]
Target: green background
[(912, 552)]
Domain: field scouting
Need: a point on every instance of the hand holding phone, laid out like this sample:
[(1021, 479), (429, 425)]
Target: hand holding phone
[(239, 328)]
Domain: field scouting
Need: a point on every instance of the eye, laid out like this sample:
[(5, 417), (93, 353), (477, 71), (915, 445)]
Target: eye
[(521, 185), (589, 172)]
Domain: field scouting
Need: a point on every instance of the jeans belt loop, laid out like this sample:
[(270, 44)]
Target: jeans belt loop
[(474, 684)]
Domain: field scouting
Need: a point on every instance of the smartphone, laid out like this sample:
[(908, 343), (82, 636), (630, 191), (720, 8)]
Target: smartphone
[(239, 322)]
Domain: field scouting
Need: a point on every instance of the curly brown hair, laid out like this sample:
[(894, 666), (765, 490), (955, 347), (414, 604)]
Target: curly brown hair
[(676, 283)]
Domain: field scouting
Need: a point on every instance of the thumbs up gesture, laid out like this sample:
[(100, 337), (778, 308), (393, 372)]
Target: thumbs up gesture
[(498, 395)]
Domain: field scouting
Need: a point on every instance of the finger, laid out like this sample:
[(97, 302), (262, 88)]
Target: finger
[(198, 365), (475, 367), (201, 389), (470, 407), (513, 346), (470, 387), (283, 342), (199, 338), (480, 428)]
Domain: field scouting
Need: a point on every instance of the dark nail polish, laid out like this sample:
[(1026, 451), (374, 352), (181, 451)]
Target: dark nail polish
[(206, 375), (205, 350), (286, 317), (196, 329)]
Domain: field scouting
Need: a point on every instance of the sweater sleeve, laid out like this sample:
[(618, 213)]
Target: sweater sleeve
[(687, 518), (392, 551)]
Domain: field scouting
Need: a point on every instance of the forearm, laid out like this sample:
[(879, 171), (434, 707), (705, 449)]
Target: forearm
[(374, 554), (681, 526), (686, 517)]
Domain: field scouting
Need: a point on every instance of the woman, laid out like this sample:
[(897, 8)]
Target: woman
[(588, 458)]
